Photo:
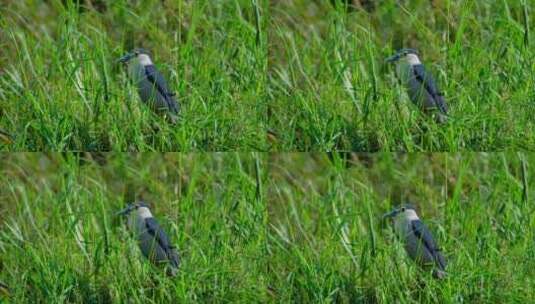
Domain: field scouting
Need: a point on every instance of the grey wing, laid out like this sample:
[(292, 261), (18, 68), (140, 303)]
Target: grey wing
[(156, 78), (422, 233), (428, 82), (163, 241)]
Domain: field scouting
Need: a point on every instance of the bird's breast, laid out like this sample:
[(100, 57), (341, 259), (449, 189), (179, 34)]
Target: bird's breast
[(136, 72), (136, 225), (402, 229), (404, 72)]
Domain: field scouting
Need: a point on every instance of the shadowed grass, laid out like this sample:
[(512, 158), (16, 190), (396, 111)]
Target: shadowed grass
[(331, 90), (60, 240), (328, 244), (61, 88)]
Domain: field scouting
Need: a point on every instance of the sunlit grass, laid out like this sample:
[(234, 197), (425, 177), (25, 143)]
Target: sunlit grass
[(330, 88), (328, 244), (60, 241), (61, 88)]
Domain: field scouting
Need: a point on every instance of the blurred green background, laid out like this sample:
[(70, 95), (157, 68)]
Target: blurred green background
[(328, 244), (62, 89), (330, 88), (60, 241), (258, 227)]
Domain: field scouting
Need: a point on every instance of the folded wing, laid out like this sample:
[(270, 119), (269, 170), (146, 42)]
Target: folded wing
[(163, 241), (156, 78), (423, 234), (428, 82)]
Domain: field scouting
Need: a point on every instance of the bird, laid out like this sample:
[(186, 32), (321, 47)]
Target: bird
[(151, 84), (418, 240), (153, 241), (420, 84)]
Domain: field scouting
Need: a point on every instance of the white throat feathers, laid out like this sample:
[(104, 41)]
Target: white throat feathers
[(411, 215), (403, 221), (144, 212), (412, 59), (144, 59)]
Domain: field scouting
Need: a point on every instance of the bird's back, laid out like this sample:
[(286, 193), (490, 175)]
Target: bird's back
[(153, 89), (426, 247), (424, 91), (164, 250), (165, 97)]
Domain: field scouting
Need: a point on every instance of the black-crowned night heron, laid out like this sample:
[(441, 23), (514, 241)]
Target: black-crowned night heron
[(418, 240), (151, 84), (420, 85), (153, 241)]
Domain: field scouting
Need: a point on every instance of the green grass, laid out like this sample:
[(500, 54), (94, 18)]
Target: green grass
[(309, 75), (327, 242), (61, 88), (269, 228), (329, 88), (254, 75), (60, 241)]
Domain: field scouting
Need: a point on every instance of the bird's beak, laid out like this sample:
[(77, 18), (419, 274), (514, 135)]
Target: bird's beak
[(125, 58), (390, 214), (393, 58), (125, 210)]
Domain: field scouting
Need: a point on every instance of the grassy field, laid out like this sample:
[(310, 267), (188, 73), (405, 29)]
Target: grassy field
[(268, 228), (328, 244), (61, 88), (307, 74), (279, 76), (60, 241), (329, 88)]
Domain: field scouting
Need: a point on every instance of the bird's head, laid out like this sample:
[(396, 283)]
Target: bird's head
[(409, 56), (138, 55), (139, 207), (406, 211)]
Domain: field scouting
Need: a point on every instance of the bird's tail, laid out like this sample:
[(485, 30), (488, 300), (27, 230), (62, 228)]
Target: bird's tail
[(172, 118), (441, 118), (171, 271), (439, 274)]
